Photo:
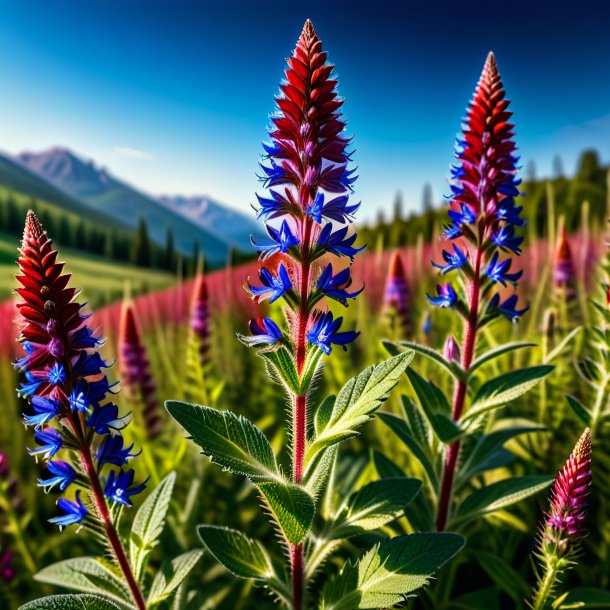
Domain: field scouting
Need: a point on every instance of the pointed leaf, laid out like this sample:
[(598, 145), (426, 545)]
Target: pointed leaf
[(149, 523), (499, 495), (292, 507), (70, 602), (501, 390), (358, 400), (241, 556), (171, 575), (228, 439), (283, 368), (492, 354), (579, 409), (390, 571), (394, 348), (376, 505)]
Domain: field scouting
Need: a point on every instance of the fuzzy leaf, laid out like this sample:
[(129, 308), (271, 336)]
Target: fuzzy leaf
[(148, 524), (499, 495), (503, 389), (492, 354), (89, 575), (70, 602), (171, 575), (397, 347), (241, 556), (230, 440), (390, 571), (292, 507), (358, 400), (283, 367), (375, 505)]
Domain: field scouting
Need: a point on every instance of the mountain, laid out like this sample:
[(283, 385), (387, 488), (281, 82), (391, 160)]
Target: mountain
[(17, 178), (229, 224), (103, 193)]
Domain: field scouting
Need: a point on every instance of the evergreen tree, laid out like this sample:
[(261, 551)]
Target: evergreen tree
[(398, 207), (170, 251), (557, 167), (64, 231), (427, 198), (80, 238), (142, 251)]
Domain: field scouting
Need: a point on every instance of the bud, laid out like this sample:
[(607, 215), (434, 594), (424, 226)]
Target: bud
[(451, 350)]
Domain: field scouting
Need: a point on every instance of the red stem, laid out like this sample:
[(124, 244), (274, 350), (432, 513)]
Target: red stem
[(459, 399)]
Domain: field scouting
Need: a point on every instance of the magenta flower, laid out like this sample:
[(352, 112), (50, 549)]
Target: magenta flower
[(397, 295), (564, 272), (201, 314)]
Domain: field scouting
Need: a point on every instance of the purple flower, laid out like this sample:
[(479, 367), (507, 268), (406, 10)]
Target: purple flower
[(265, 332)]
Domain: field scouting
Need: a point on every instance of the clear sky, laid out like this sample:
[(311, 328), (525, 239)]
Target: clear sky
[(174, 96)]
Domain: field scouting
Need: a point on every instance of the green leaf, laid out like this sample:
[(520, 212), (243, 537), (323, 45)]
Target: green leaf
[(230, 440), (499, 495), (587, 597), (89, 575), (292, 507), (171, 575), (149, 523), (312, 365), (454, 368), (390, 571), (562, 345), (482, 454), (375, 505), (358, 400), (503, 389), (492, 354), (503, 574), (399, 427), (70, 602), (579, 409), (241, 556), (282, 367)]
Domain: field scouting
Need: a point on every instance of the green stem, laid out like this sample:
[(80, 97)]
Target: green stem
[(24, 550), (545, 588)]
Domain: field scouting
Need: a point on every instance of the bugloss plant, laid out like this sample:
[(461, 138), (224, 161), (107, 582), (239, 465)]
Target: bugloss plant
[(563, 526), (397, 298), (75, 419), (458, 440), (308, 215)]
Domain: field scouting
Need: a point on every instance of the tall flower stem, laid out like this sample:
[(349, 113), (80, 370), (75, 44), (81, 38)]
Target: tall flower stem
[(461, 390)]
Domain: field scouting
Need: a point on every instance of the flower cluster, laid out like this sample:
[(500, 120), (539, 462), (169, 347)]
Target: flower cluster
[(306, 208), (564, 273), (70, 395), (135, 371), (200, 316), (397, 296), (484, 215)]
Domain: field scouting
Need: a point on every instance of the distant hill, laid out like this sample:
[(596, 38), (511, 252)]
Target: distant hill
[(231, 225), (100, 191)]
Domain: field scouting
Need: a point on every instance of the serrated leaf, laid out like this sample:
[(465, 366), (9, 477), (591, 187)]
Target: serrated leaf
[(358, 400), (292, 507), (501, 390), (399, 427), (242, 556), (148, 524), (375, 505), (89, 575), (171, 575), (499, 495), (70, 602), (390, 571), (283, 367), (395, 348), (230, 440), (492, 354)]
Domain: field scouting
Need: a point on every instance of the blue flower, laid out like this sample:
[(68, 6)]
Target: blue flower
[(324, 333), (274, 286), (427, 324), (506, 240), (274, 175), (447, 296), (508, 309), (84, 338), (105, 419), (336, 209), (454, 261), (46, 409), (498, 271), (64, 476), (75, 511), (111, 451), (30, 386), (338, 243), (334, 286), (88, 365), (273, 207), (283, 240), (264, 332), (119, 487), (57, 374), (88, 393), (508, 212), (50, 443)]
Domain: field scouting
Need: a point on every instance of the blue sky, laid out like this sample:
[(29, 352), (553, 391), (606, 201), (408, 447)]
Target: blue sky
[(174, 96)]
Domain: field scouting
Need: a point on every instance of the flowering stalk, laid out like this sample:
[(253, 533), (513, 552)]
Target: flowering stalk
[(564, 272), (135, 371), (564, 523), (483, 216), (397, 296), (68, 390), (307, 158)]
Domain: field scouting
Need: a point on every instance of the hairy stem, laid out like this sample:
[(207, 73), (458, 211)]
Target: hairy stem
[(545, 587), (461, 390)]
